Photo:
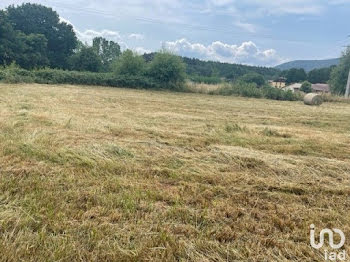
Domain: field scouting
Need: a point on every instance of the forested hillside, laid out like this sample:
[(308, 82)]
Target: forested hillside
[(308, 65), (198, 67)]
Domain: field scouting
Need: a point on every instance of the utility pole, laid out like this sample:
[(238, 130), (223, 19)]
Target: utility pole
[(347, 92)]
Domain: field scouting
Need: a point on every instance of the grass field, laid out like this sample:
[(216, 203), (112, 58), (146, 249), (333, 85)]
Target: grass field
[(103, 174)]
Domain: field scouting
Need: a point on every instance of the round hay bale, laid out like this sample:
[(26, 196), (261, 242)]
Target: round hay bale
[(313, 99)]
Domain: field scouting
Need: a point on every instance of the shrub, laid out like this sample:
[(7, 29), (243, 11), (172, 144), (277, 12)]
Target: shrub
[(13, 74), (272, 93), (168, 70), (256, 78), (290, 96), (241, 89), (306, 87), (278, 94), (50, 76), (53, 76), (135, 81), (56, 76), (251, 90), (129, 63)]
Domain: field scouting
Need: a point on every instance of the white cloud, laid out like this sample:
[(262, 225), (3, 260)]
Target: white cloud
[(339, 2), (250, 8), (141, 50), (136, 36), (221, 2), (245, 53), (88, 35), (63, 20), (246, 26)]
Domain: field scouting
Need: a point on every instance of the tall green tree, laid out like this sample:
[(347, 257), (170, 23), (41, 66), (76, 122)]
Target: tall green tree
[(32, 51), (339, 75), (37, 19), (321, 75), (306, 87), (28, 51), (8, 40), (107, 50), (86, 60), (295, 75)]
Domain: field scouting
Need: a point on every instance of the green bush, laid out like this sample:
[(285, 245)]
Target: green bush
[(306, 87), (56, 76), (129, 63), (14, 74), (241, 89), (52, 76), (168, 70), (131, 81), (256, 78), (278, 94), (244, 89)]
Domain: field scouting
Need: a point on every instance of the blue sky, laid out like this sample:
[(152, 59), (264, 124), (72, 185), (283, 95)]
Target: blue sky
[(257, 32)]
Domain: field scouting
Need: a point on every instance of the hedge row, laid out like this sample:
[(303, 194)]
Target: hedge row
[(53, 76), (251, 90)]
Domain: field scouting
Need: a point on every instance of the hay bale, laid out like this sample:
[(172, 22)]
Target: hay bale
[(313, 99)]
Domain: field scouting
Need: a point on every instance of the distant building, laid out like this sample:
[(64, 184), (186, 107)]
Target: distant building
[(294, 87), (321, 88), (316, 88), (278, 83)]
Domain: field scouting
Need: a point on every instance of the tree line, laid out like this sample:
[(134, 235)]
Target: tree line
[(218, 70), (335, 76), (33, 37), (316, 76)]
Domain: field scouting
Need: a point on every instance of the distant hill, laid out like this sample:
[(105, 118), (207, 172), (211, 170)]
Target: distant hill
[(308, 65), (225, 70)]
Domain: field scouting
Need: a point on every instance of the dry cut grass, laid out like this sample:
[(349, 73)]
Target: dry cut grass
[(101, 174), (202, 88)]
